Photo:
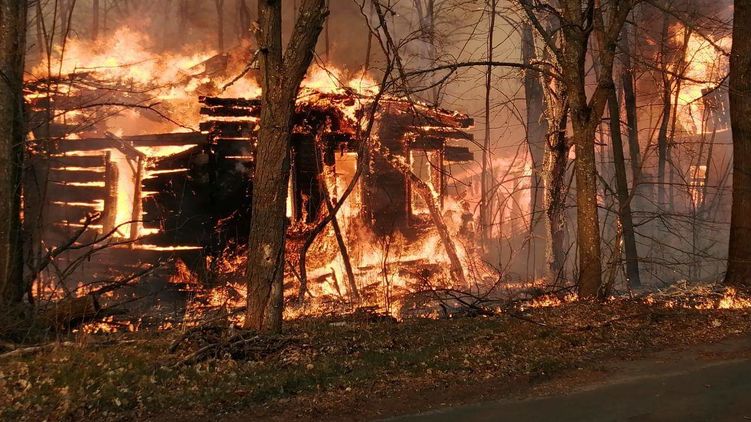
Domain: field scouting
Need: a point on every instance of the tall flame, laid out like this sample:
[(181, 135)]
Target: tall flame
[(706, 67)]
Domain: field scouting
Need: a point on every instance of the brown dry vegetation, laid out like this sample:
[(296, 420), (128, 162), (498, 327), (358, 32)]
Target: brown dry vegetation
[(344, 368)]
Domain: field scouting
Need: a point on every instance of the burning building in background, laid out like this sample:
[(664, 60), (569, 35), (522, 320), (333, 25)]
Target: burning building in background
[(149, 154), (138, 159)]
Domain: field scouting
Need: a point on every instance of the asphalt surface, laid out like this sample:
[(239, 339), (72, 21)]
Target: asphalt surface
[(692, 385)]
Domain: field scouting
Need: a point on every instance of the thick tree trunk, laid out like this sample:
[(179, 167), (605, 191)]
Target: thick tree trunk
[(587, 219), (739, 252), (586, 114), (40, 31), (12, 136), (624, 200), (281, 74), (584, 123)]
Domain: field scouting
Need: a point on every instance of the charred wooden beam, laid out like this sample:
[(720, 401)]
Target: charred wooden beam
[(80, 176), (78, 161), (445, 133), (229, 102), (456, 154), (110, 199), (75, 193), (90, 144), (151, 140), (81, 208), (70, 311), (427, 143), (137, 203), (167, 139), (235, 129), (230, 111), (428, 116), (126, 147)]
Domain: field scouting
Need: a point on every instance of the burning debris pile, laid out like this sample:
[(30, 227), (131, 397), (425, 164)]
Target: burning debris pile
[(141, 160), (699, 296)]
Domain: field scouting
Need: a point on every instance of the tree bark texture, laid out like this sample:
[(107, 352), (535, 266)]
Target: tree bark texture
[(629, 102), (12, 136), (554, 183), (739, 252), (621, 186), (281, 73), (586, 114)]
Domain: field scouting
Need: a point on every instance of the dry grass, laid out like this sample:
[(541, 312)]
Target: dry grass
[(345, 368)]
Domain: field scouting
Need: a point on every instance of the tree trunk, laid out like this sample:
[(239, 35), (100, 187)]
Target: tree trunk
[(662, 134), (739, 252), (629, 100), (12, 136), (485, 200), (624, 200), (95, 20), (537, 130), (554, 175), (243, 20), (584, 123), (280, 74), (587, 219), (586, 114)]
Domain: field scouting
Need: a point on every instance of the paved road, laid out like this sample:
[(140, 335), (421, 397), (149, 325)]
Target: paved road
[(689, 387)]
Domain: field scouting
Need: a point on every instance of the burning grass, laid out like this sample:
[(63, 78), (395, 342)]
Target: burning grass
[(331, 365)]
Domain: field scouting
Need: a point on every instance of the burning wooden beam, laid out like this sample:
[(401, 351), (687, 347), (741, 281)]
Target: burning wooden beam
[(109, 215)]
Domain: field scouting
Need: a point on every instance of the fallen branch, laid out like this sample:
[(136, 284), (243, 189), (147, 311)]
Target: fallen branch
[(24, 351)]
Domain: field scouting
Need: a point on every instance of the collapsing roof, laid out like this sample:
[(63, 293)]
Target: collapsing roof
[(192, 190)]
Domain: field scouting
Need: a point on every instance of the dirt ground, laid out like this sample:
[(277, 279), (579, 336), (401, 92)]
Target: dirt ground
[(341, 368)]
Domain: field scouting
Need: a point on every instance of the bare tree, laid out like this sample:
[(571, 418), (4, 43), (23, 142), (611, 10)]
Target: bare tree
[(95, 7), (537, 129), (12, 135), (629, 101), (739, 253), (281, 73), (243, 19), (485, 200), (624, 199), (576, 24), (553, 176), (621, 183)]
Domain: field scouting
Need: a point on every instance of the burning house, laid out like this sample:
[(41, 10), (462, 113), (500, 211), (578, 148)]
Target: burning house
[(142, 198)]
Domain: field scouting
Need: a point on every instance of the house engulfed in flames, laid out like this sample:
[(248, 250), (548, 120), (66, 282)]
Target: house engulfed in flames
[(186, 194)]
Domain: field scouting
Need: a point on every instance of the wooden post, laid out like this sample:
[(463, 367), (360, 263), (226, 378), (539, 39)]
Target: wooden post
[(137, 205), (111, 174)]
